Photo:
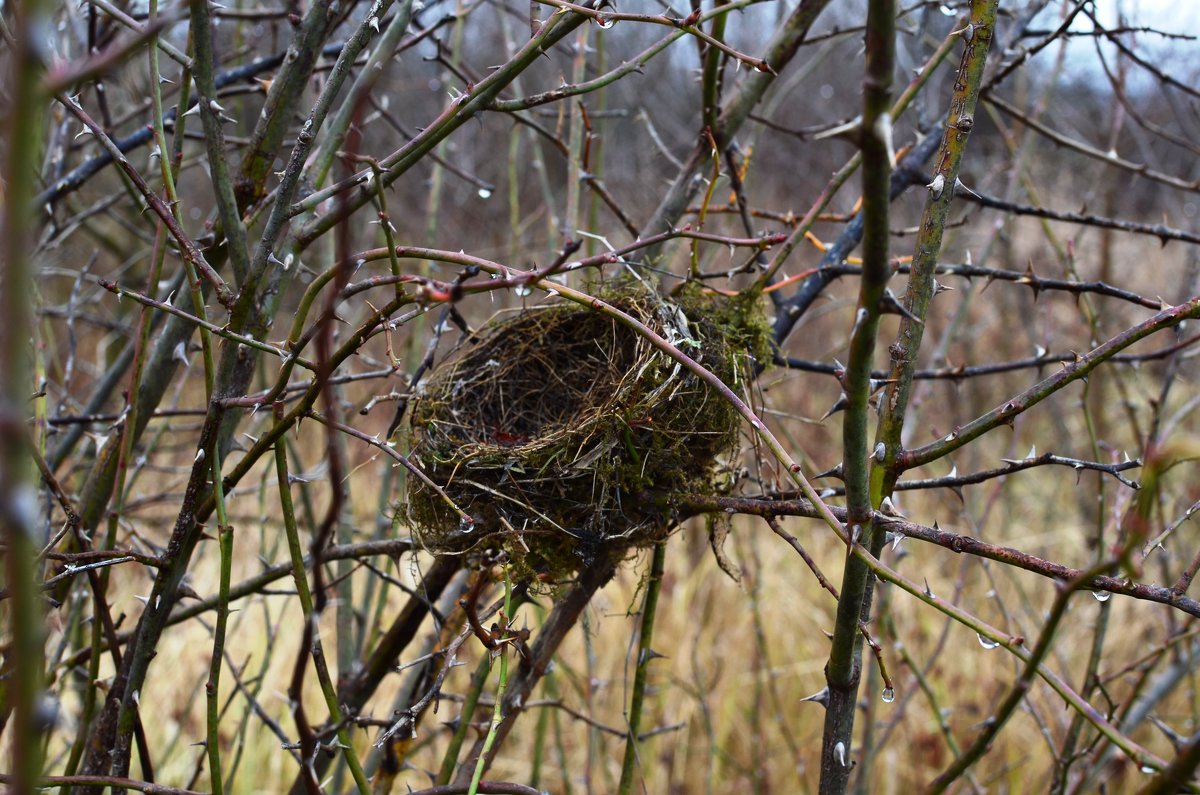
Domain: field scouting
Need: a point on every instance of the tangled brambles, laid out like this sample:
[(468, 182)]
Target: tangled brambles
[(548, 428)]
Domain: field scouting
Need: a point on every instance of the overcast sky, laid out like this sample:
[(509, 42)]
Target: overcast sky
[(1180, 58)]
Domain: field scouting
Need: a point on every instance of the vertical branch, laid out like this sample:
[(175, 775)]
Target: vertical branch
[(291, 175), (576, 116), (22, 686), (564, 616), (977, 37), (169, 165), (645, 656), (710, 80), (499, 649), (463, 725), (594, 166), (360, 90), (844, 669), (284, 95), (213, 687), (211, 118), (311, 639)]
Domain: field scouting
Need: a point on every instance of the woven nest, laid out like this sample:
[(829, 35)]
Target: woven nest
[(548, 428)]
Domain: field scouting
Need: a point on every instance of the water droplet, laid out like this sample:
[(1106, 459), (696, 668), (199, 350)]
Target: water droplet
[(1102, 596), (889, 695), (485, 193), (1147, 769), (987, 643), (604, 22), (947, 10), (522, 290)]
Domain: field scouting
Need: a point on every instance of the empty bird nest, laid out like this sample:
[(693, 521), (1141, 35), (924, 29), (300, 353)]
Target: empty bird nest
[(550, 427)]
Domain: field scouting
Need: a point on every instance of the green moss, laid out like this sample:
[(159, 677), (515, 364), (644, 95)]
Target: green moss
[(548, 428)]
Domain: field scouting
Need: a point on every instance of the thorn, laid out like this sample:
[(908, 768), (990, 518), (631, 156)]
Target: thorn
[(958, 183), (1030, 278), (840, 405), (649, 654), (889, 304), (820, 697)]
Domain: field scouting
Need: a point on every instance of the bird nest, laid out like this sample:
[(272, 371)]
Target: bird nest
[(549, 428)]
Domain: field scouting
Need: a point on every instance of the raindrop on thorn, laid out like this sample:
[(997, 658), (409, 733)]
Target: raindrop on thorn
[(889, 695), (1147, 769), (604, 22), (1102, 596), (987, 642), (485, 193), (522, 290)]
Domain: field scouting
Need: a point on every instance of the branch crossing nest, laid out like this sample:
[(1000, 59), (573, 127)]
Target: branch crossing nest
[(547, 428)]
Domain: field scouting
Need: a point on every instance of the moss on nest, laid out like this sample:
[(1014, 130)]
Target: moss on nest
[(545, 428)]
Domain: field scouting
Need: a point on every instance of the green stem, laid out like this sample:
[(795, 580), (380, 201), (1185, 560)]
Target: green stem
[(854, 605), (645, 656), (304, 594), (501, 650), (168, 166), (474, 691), (711, 77), (212, 688), (959, 122), (335, 130), (23, 666), (575, 134)]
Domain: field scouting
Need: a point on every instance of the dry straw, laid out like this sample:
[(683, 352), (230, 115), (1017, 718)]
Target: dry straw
[(552, 427)]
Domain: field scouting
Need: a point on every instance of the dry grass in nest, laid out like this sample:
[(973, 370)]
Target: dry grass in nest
[(548, 428)]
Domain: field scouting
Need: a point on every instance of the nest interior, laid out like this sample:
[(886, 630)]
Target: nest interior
[(548, 427)]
